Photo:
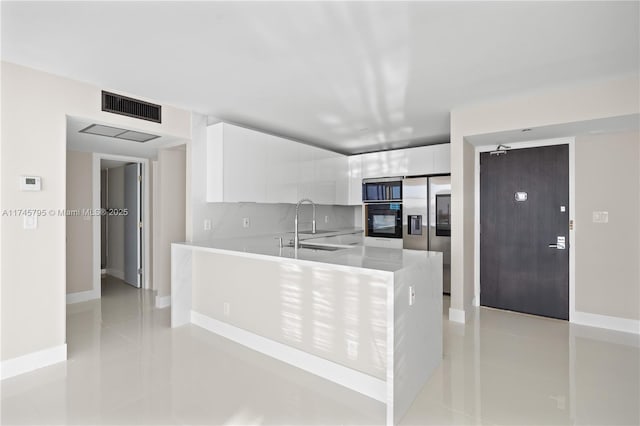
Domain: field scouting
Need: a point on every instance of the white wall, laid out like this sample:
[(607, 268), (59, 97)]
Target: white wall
[(226, 218), (608, 98), (608, 254), (79, 228), (115, 234), (170, 215), (34, 143)]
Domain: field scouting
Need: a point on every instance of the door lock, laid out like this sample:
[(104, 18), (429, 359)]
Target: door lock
[(560, 243)]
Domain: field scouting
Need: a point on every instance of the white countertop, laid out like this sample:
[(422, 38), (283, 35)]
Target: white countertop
[(358, 256)]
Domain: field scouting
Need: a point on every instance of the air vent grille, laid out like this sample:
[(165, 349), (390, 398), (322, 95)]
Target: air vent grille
[(123, 105)]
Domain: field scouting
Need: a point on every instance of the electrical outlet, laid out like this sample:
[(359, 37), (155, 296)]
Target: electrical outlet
[(207, 225), (326, 219), (30, 222), (412, 295), (245, 222), (227, 309)]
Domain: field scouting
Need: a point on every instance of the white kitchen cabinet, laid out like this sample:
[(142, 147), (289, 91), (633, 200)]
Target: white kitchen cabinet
[(355, 180), (424, 160), (322, 175), (305, 172), (429, 160), (330, 177), (324, 179), (248, 166), (245, 168), (384, 164), (419, 160), (282, 170), (215, 164), (442, 158), (341, 167)]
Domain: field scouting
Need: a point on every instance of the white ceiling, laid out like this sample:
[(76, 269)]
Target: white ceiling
[(349, 76)]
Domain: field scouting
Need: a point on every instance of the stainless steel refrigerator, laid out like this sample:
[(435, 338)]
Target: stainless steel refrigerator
[(426, 222)]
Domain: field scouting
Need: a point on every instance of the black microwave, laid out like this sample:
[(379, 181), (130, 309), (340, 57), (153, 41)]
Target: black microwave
[(382, 190)]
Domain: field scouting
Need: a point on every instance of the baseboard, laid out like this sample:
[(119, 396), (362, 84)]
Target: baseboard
[(82, 296), (116, 273), (604, 321), (163, 302), (26, 363), (457, 315), (360, 382)]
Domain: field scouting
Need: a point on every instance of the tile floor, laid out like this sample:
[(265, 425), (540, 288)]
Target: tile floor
[(126, 367)]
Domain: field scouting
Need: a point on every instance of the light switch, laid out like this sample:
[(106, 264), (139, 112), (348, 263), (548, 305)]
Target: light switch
[(30, 222), (207, 225), (563, 209), (600, 217)]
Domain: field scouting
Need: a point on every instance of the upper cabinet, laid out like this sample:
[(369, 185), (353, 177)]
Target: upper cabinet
[(384, 164), (423, 160), (248, 166), (355, 180), (441, 158)]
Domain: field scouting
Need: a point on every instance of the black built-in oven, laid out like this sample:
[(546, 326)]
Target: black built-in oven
[(384, 220), (382, 190)]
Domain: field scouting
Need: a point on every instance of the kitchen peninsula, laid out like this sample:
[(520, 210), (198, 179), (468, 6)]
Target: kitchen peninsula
[(368, 318)]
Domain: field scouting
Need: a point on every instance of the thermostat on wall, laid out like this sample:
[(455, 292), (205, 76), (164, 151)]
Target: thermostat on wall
[(30, 183)]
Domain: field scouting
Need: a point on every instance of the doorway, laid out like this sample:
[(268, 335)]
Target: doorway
[(524, 230), (121, 243)]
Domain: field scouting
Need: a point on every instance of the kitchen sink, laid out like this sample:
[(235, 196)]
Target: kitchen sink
[(317, 232), (320, 247)]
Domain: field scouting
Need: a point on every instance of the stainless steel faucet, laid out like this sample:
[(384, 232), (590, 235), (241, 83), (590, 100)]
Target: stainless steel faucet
[(296, 238)]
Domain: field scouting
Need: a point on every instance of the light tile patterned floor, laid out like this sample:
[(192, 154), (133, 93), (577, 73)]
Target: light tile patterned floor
[(126, 366)]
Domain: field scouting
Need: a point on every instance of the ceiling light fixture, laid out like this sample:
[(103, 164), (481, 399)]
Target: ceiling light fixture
[(116, 132)]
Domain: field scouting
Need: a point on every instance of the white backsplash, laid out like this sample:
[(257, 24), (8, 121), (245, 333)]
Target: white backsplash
[(227, 219)]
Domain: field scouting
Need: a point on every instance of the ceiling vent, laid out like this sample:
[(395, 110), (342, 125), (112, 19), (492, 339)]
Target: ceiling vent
[(116, 132), (130, 107)]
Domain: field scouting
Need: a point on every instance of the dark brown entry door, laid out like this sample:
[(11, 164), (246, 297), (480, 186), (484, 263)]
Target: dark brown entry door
[(524, 209)]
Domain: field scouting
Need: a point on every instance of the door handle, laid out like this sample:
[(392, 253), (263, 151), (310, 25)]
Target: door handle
[(560, 243)]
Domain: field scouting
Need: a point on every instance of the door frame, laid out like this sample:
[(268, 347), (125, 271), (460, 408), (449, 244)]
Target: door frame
[(572, 237), (95, 205)]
